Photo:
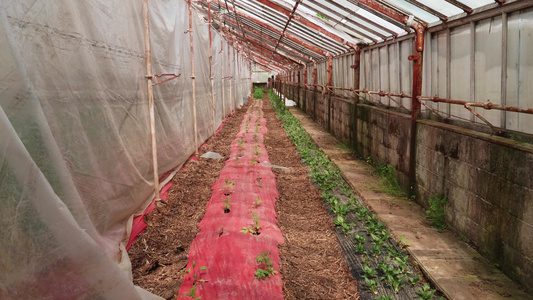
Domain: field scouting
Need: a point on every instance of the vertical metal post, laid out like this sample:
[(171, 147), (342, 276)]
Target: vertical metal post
[(315, 89), (356, 84), (193, 79), (232, 101), (298, 86), (330, 83), (379, 73), (149, 77), (472, 66), (305, 89), (234, 77), (388, 74), (399, 60), (223, 82), (285, 86), (415, 105), (503, 123), (448, 70)]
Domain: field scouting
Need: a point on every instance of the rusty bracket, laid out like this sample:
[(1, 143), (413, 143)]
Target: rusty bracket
[(172, 76), (467, 106)]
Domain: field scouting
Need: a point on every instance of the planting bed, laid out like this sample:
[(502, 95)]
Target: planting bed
[(311, 265)]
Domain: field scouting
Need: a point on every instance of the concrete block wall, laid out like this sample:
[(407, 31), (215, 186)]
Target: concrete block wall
[(488, 181), (302, 98), (310, 103), (321, 110), (342, 119), (384, 136)]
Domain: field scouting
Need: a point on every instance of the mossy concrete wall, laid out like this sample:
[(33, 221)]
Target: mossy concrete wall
[(341, 123), (488, 181), (383, 135)]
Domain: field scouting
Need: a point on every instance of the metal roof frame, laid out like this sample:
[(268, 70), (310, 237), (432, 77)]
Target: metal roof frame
[(278, 34)]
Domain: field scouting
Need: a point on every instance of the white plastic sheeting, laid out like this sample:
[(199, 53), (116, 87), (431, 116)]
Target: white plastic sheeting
[(388, 68), (75, 156), (466, 64)]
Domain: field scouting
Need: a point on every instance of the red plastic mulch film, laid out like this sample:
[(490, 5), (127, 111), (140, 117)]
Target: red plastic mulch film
[(239, 225)]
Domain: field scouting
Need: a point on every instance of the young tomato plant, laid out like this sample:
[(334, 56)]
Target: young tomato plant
[(228, 185), (257, 202), (266, 268), (196, 280), (227, 204), (255, 228)]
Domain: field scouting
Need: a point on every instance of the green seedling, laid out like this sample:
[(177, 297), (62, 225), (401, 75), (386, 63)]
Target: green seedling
[(402, 243), (341, 222), (414, 280), (393, 251), (360, 239), (229, 184), (340, 209), (372, 285), (436, 214), (360, 249), (192, 293), (363, 213), (196, 280), (253, 161), (257, 202), (256, 150), (395, 282), (227, 204), (371, 219), (369, 272), (425, 292), (255, 228), (384, 297), (257, 128), (267, 269), (376, 250), (386, 269), (402, 262), (259, 184)]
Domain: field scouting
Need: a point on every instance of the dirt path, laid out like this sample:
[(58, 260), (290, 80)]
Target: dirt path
[(312, 265)]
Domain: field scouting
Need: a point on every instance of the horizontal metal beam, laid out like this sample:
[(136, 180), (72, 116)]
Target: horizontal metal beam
[(355, 14), (430, 10), (305, 22), (270, 27), (478, 15), (467, 9), (292, 51)]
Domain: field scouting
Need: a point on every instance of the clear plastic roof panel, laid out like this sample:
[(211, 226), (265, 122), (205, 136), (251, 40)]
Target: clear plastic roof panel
[(296, 31)]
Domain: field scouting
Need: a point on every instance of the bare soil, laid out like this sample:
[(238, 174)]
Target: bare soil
[(312, 265)]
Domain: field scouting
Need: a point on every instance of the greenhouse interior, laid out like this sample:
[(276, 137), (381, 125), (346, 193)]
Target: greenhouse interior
[(267, 149)]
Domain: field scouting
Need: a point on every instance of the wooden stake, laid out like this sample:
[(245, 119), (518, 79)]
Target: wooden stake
[(211, 71), (193, 83), (151, 97)]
